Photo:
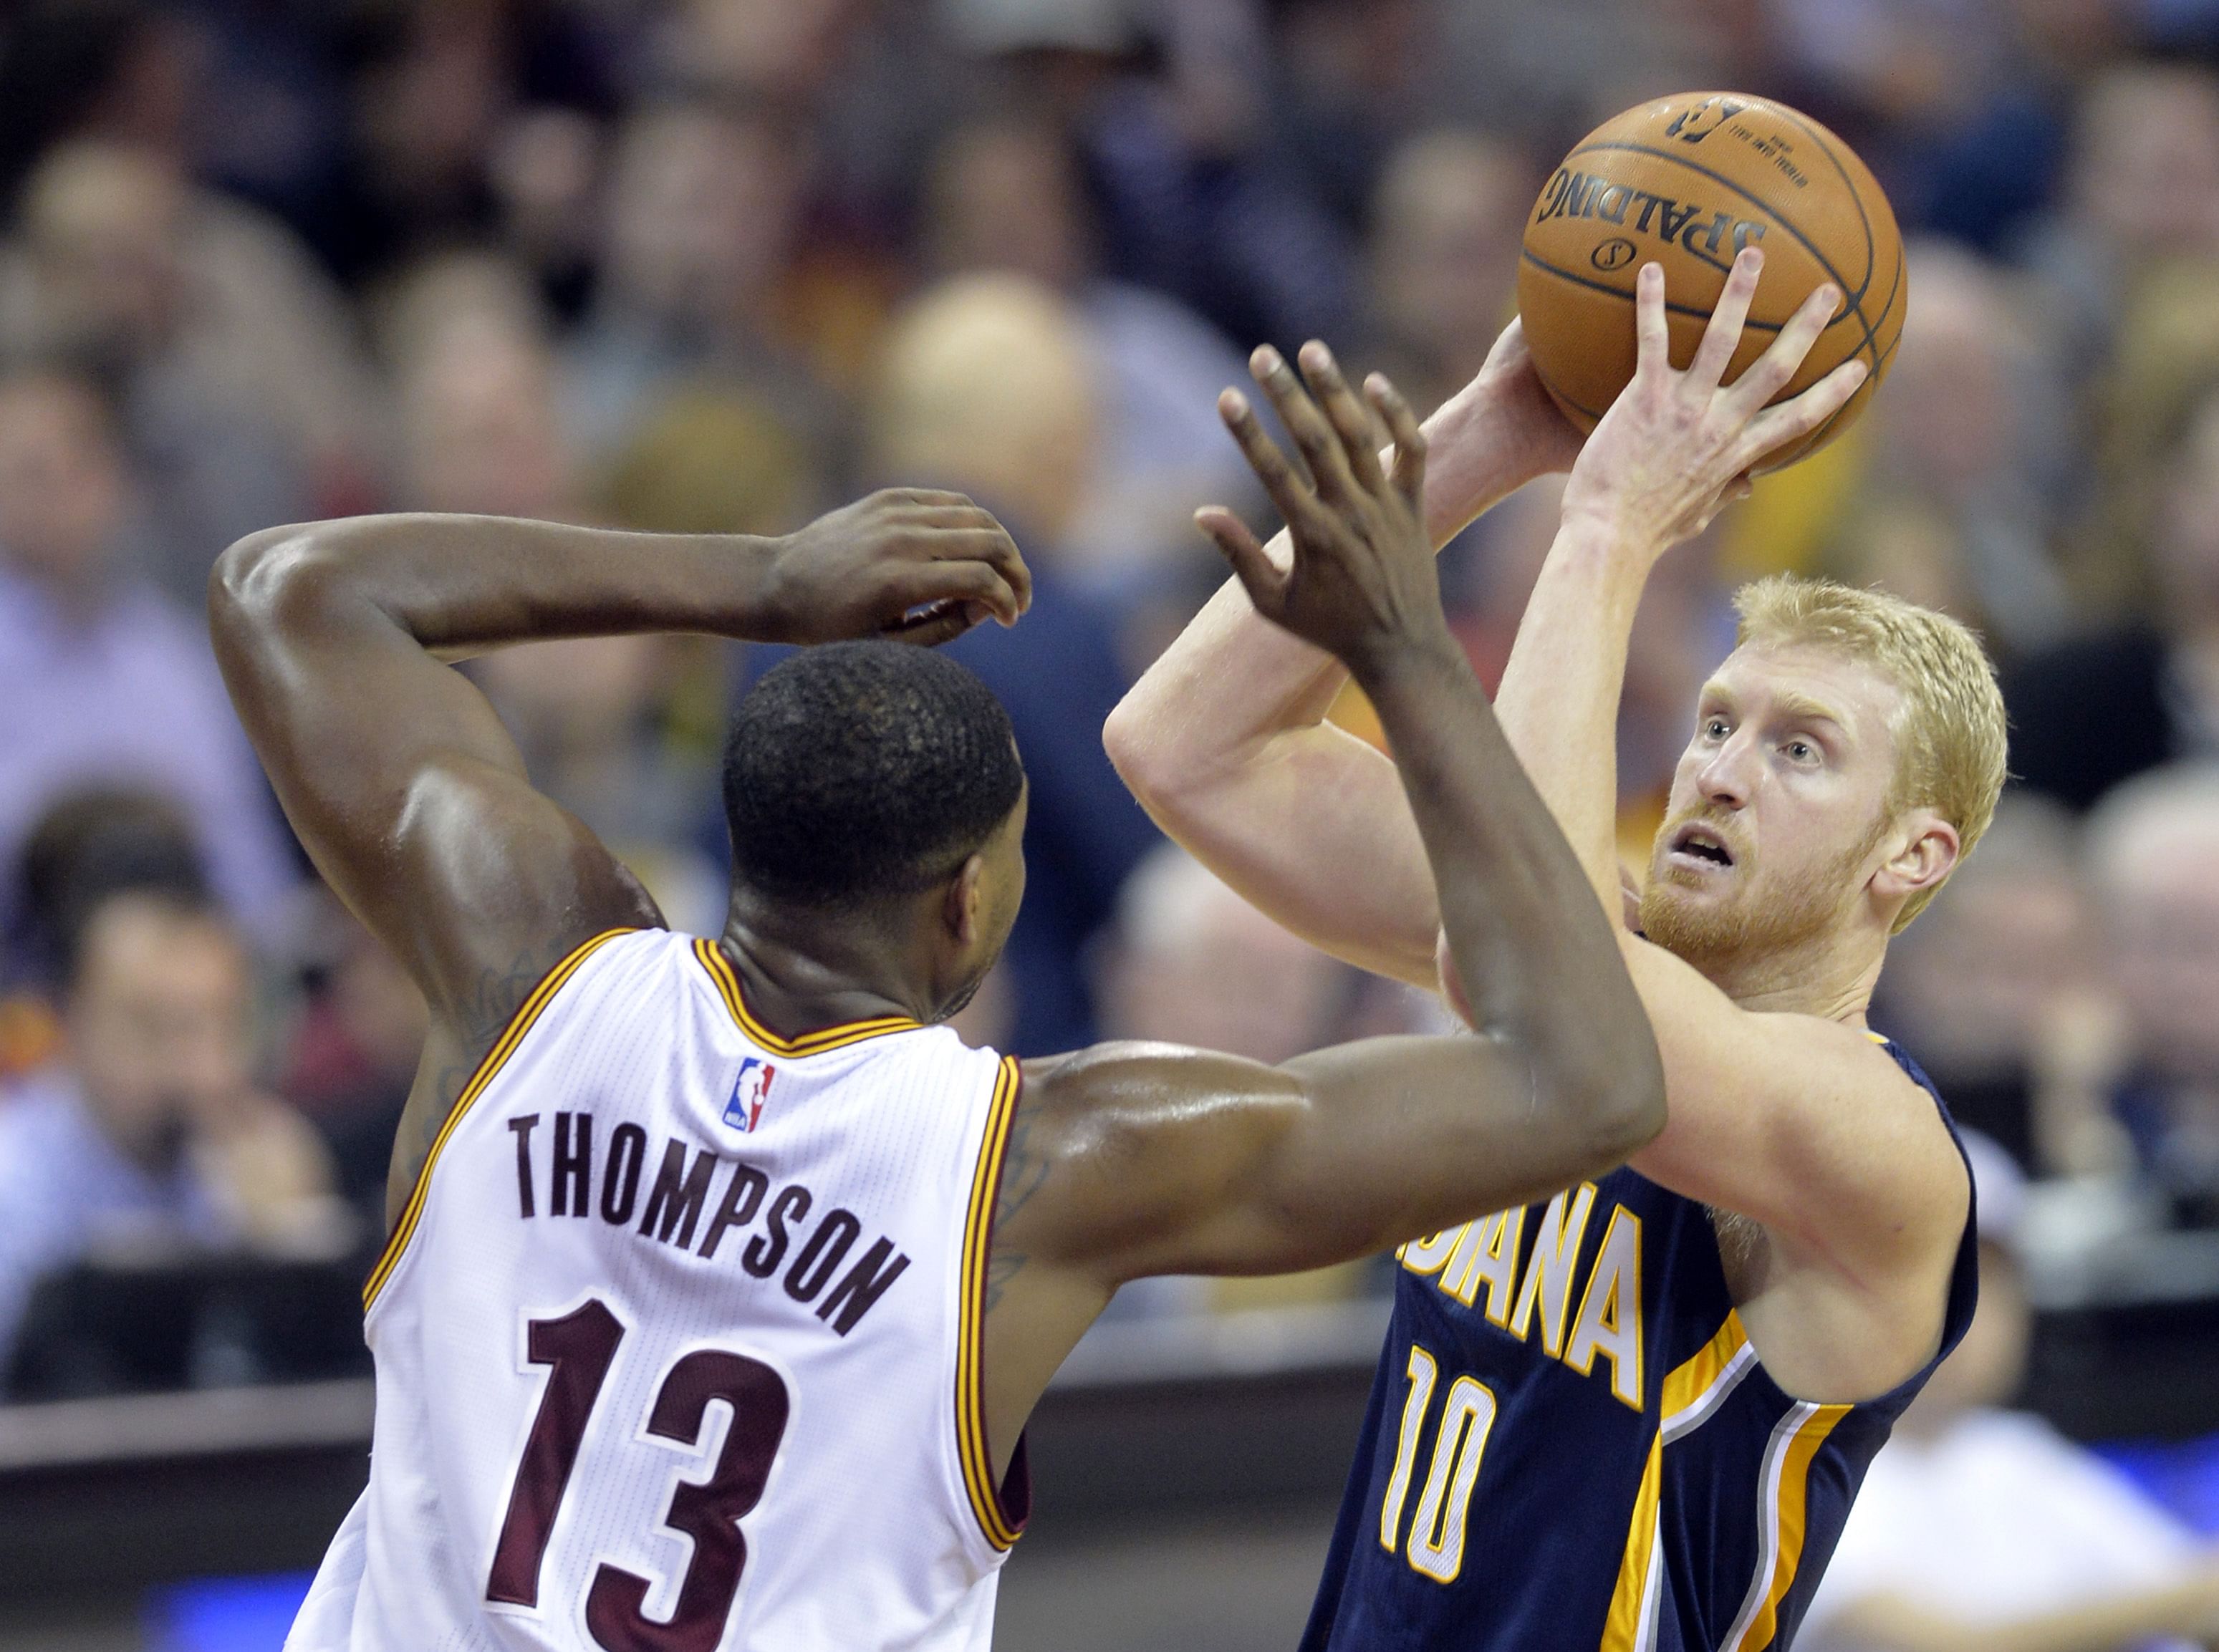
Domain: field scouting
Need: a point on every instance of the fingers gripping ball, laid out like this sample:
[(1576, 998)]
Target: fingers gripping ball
[(1688, 181)]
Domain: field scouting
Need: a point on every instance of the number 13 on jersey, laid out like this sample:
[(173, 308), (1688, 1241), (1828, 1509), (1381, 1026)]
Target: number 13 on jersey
[(578, 1349), (1435, 1546)]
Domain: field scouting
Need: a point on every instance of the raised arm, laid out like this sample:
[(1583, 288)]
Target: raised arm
[(1224, 739), (1667, 455), (1134, 1160), (400, 781), (1797, 1120)]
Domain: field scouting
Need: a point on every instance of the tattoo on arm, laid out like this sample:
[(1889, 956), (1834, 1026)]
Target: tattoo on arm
[(481, 1015), (1025, 1170)]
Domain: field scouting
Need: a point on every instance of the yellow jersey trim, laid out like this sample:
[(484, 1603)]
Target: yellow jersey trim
[(1686, 1387), (504, 1046), (1629, 1601), (816, 1043), (1786, 1516), (977, 1461), (1692, 1379)]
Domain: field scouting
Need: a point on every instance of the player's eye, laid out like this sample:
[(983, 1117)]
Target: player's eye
[(1801, 751), (1714, 728)]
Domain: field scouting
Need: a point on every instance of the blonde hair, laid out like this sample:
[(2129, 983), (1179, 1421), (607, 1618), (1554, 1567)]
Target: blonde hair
[(1950, 729), (987, 382)]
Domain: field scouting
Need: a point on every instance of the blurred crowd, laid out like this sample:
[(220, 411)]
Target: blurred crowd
[(712, 265)]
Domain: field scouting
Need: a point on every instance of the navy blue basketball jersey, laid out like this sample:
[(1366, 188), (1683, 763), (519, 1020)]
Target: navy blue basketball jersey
[(1571, 1444)]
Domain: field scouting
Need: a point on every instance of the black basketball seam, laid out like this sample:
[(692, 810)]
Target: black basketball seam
[(1820, 137), (1811, 443), (1818, 257), (1578, 280), (1550, 385), (1897, 289)]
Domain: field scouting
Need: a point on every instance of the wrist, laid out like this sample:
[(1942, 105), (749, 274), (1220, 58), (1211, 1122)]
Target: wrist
[(1473, 459), (1602, 529), (764, 595), (1392, 658)]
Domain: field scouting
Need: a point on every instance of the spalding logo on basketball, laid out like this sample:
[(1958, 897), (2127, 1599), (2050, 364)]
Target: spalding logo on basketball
[(1688, 181)]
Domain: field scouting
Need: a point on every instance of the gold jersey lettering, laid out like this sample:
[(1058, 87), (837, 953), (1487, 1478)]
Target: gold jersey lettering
[(1609, 1320), (1431, 1253), (1487, 1253), (1548, 1282), (1606, 1325)]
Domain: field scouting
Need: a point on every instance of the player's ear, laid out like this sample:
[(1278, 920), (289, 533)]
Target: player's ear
[(965, 900), (1926, 851)]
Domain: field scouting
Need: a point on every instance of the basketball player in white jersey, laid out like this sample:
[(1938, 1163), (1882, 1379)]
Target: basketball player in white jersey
[(722, 1280)]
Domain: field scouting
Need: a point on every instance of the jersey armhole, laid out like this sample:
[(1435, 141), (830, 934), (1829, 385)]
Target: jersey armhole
[(1001, 1510), (397, 1244)]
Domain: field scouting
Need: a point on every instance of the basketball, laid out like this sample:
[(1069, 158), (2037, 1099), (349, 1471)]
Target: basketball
[(1688, 181)]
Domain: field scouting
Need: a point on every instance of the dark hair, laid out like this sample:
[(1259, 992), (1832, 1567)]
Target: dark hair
[(859, 772), (88, 846)]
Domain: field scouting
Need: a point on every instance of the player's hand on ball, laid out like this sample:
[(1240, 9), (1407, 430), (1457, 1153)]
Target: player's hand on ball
[(1675, 446), (1362, 581), (912, 564), (1540, 438)]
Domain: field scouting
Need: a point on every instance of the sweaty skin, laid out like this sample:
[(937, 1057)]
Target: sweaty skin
[(1124, 1160), (1847, 1196)]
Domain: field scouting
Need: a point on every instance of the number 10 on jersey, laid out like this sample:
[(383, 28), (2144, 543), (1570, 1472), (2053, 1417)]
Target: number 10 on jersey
[(1435, 1543)]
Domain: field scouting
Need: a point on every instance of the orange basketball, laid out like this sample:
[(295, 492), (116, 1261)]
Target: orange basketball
[(1688, 181)]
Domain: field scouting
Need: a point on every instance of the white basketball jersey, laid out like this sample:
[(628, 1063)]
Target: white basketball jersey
[(678, 1339)]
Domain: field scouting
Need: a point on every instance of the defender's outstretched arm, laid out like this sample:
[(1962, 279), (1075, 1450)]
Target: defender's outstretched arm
[(400, 781), (1224, 739), (1165, 1160)]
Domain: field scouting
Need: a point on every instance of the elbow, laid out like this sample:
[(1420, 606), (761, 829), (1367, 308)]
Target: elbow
[(1630, 1109), (259, 580), (1123, 738), (1636, 1108), (1616, 1089), (1131, 737)]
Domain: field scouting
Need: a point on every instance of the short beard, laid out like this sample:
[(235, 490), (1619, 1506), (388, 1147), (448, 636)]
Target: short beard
[(960, 999), (1778, 922)]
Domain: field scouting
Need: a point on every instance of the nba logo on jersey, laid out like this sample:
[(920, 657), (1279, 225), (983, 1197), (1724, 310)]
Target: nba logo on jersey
[(750, 1091)]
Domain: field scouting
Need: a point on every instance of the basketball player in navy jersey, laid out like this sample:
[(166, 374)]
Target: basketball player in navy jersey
[(1631, 1416), (876, 805)]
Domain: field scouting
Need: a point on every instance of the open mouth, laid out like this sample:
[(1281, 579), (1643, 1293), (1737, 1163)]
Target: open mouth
[(1701, 843)]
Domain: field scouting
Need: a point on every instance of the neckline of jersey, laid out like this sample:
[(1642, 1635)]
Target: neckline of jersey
[(824, 1039)]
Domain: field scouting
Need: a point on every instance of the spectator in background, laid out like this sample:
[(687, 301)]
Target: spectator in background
[(1441, 259), (2093, 710), (2141, 186), (986, 387), (481, 433), (1347, 79), (1966, 462), (1188, 960), (1999, 992), (1166, 106), (89, 844), (2154, 850), (1005, 195), (148, 1132), (475, 394), (240, 391), (353, 1059), (101, 677), (1980, 1529), (2163, 362), (701, 223), (432, 87)]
